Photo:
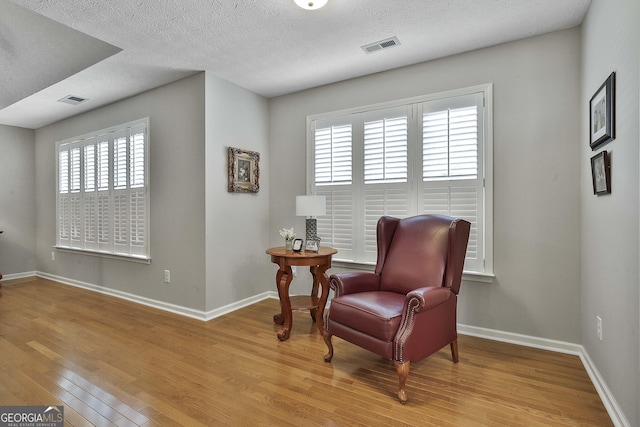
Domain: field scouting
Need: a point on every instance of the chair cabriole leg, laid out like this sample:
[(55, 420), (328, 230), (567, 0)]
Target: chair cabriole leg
[(454, 350), (327, 340), (403, 372)]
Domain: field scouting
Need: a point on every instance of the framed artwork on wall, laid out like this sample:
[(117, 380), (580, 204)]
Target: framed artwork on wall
[(601, 173), (244, 171), (602, 113)]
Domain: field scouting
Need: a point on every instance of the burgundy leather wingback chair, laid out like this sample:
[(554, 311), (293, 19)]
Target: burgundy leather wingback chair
[(406, 309)]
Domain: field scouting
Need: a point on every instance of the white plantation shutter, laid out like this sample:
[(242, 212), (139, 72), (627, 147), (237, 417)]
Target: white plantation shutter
[(333, 168), (450, 139), (120, 191), (382, 201), (102, 163), (451, 145), (120, 146), (74, 190), (103, 196), (426, 155), (63, 195), (386, 169), (89, 195), (385, 146), (336, 227), (137, 196), (138, 163), (457, 201), (333, 154), (364, 189), (102, 201)]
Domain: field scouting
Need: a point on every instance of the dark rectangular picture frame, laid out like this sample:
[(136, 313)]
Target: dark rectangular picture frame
[(602, 113), (601, 173), (297, 245)]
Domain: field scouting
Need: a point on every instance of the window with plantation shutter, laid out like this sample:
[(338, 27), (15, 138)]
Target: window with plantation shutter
[(386, 187), (102, 200), (451, 166), (429, 154), (333, 172)]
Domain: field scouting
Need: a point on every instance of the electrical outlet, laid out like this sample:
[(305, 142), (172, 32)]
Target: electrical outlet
[(167, 276), (53, 256), (294, 271), (599, 327)]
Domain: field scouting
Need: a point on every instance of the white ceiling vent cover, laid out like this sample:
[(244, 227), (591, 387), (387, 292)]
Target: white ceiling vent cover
[(73, 100), (382, 44)]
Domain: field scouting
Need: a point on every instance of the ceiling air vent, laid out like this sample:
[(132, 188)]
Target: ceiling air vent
[(382, 44), (73, 100)]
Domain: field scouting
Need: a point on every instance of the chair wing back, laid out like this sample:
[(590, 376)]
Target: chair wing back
[(458, 240), (384, 235), (420, 251)]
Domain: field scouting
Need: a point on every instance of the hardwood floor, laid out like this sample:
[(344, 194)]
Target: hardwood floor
[(113, 362)]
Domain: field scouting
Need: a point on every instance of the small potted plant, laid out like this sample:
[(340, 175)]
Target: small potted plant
[(289, 236)]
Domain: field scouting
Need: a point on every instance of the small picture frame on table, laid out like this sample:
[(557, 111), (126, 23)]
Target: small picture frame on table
[(601, 173), (312, 245), (297, 245)]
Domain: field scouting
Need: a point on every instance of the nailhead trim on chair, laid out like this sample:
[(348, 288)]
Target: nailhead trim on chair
[(405, 329)]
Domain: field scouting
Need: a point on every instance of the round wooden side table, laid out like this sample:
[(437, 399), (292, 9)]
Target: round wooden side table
[(318, 263)]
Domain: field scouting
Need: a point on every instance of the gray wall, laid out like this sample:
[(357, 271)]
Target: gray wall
[(536, 172), (237, 224), (610, 223), (17, 201), (212, 241), (177, 190)]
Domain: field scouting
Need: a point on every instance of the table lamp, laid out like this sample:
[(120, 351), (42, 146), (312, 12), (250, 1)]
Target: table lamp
[(311, 207)]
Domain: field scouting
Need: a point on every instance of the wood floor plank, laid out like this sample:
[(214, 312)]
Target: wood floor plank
[(114, 362)]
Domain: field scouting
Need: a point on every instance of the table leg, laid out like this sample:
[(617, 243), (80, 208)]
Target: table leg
[(314, 290), (283, 280), (324, 288)]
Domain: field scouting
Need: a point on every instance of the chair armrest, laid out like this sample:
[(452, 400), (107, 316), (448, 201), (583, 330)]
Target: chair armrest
[(429, 297), (354, 282)]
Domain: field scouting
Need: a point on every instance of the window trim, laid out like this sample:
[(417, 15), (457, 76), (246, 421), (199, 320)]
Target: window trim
[(487, 164)]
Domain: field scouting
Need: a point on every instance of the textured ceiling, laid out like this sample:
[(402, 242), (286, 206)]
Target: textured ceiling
[(271, 47)]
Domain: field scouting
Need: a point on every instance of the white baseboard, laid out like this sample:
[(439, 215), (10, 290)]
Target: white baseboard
[(615, 412), (525, 340), (611, 405), (212, 314), (18, 275), (161, 305)]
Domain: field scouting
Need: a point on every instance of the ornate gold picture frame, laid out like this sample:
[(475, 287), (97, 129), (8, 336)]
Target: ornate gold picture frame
[(244, 171)]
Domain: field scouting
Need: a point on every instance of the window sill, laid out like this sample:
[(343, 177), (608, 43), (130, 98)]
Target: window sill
[(468, 276), (130, 258)]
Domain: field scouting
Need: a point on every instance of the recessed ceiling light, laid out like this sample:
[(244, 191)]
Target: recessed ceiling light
[(310, 4)]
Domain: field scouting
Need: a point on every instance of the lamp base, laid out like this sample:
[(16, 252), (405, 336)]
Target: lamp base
[(312, 228)]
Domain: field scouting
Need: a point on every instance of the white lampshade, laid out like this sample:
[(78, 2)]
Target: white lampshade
[(311, 4), (311, 205)]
